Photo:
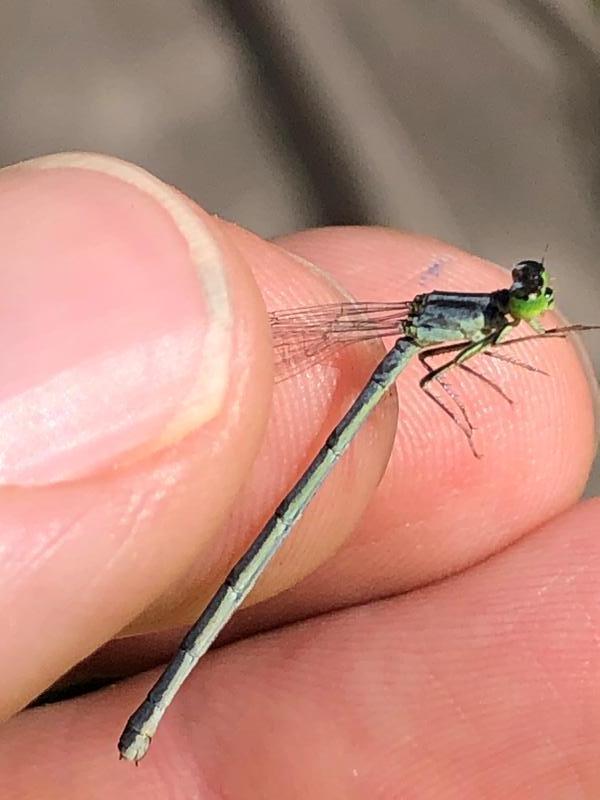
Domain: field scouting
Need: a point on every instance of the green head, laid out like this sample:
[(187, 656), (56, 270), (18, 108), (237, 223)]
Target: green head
[(530, 294)]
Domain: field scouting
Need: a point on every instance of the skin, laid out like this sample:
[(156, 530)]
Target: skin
[(429, 630)]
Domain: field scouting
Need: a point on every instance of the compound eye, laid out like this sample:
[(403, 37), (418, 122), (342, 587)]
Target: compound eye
[(529, 264), (528, 271)]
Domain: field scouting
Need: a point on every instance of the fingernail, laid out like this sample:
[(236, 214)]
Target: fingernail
[(115, 322)]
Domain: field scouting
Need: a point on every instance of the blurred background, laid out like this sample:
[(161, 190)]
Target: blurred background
[(476, 121)]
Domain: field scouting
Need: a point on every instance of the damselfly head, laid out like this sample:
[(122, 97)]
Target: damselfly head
[(530, 293)]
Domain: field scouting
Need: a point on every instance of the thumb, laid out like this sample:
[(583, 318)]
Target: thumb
[(125, 312)]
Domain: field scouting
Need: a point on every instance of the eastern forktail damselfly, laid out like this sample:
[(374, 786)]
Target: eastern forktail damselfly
[(459, 325)]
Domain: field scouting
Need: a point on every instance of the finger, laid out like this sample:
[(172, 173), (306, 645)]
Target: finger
[(438, 509), (481, 686), (125, 315)]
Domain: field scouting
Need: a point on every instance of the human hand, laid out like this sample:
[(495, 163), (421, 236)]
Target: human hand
[(141, 453)]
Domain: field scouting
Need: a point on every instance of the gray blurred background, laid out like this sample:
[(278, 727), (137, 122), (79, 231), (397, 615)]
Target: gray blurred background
[(476, 121)]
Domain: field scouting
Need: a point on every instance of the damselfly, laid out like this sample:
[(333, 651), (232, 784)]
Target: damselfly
[(454, 324)]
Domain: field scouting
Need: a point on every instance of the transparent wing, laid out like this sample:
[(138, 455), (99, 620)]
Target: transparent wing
[(303, 337)]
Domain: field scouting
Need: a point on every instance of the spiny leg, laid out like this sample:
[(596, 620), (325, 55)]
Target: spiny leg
[(423, 358), (494, 341), (539, 332), (466, 429), (515, 361), (488, 381), (433, 374), (436, 351), (464, 354)]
